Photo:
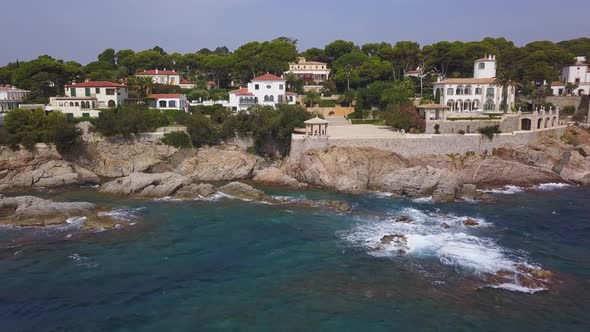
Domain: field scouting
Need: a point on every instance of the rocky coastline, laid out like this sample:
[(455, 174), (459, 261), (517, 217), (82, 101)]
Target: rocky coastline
[(153, 170)]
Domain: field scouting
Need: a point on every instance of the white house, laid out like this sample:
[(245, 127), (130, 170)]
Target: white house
[(267, 89), (313, 73), (477, 94), (186, 84), (86, 98), (578, 75), (168, 77), (11, 97), (169, 101)]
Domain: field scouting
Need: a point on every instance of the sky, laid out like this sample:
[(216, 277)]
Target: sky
[(80, 30)]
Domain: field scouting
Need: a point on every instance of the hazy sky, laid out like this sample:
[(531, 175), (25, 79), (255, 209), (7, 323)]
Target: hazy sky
[(79, 30)]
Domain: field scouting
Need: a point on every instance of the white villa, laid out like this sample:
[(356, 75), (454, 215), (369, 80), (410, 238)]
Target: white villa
[(268, 90), (83, 99), (167, 77), (170, 101), (310, 71), (11, 97), (578, 75), (477, 94)]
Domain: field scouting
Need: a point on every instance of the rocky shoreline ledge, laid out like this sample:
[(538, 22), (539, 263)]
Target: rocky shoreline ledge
[(144, 169)]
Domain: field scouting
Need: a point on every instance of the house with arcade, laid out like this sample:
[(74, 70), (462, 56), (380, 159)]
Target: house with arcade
[(266, 90), (84, 99), (476, 94)]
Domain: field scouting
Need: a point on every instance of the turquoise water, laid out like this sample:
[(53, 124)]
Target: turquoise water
[(230, 265)]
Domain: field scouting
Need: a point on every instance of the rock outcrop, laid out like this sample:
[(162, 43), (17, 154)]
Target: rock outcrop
[(120, 157), (34, 211), (216, 164), (43, 167), (276, 176), (146, 185)]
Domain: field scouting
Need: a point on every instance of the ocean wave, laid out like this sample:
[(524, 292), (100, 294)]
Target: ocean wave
[(123, 213), (506, 190), (83, 261), (423, 200), (441, 236), (551, 186)]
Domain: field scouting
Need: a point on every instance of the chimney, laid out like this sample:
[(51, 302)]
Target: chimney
[(156, 71)]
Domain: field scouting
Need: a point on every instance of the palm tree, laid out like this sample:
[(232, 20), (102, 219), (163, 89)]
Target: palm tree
[(140, 87), (506, 81)]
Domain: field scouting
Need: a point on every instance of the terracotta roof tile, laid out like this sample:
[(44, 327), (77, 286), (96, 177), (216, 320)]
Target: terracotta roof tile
[(268, 77), (96, 84), (242, 92), (166, 96)]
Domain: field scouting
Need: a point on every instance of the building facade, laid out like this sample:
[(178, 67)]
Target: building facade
[(477, 94), (186, 84), (11, 97), (267, 90), (169, 101), (577, 75), (86, 98), (312, 73), (167, 77)]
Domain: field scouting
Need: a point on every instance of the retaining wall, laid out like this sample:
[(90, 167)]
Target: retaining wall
[(413, 145)]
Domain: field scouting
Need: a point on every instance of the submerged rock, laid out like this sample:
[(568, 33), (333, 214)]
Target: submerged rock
[(146, 185), (470, 222), (397, 238), (403, 219), (34, 211), (445, 225), (193, 190)]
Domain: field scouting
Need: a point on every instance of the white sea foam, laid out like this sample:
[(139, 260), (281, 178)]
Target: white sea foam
[(551, 186), (457, 245), (381, 194), (518, 288), (423, 200), (123, 214), (83, 261), (506, 190)]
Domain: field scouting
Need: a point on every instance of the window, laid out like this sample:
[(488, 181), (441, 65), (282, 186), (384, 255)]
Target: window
[(70, 115), (268, 87), (489, 106), (172, 103), (256, 87), (71, 104), (281, 87), (87, 92), (110, 92), (162, 103), (477, 91), (450, 91), (73, 92), (266, 98), (577, 80), (61, 104), (97, 90), (467, 90), (77, 104), (490, 92), (482, 66), (85, 115), (271, 98)]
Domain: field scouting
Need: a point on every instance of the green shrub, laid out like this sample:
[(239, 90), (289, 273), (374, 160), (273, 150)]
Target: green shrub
[(24, 127), (177, 139), (201, 130), (328, 103), (368, 121), (569, 110), (489, 131), (128, 120), (403, 117)]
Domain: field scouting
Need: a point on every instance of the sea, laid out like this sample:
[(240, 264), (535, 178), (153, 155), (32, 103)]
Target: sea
[(223, 264)]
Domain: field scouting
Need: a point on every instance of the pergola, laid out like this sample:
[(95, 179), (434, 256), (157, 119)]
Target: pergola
[(316, 127)]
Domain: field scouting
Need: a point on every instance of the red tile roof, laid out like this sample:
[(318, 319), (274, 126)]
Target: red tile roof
[(291, 93), (158, 72), (183, 81), (242, 92), (268, 77), (97, 84), (557, 83), (166, 96)]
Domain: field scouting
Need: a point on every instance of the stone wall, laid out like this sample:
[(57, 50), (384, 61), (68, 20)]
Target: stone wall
[(332, 111), (412, 145), (508, 123), (563, 101)]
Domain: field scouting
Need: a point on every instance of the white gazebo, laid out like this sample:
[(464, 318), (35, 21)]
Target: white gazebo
[(316, 127)]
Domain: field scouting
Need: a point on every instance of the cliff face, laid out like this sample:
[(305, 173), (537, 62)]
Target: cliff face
[(564, 159), (43, 168)]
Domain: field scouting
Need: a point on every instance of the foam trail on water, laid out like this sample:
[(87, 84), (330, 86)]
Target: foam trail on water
[(445, 237), (506, 190)]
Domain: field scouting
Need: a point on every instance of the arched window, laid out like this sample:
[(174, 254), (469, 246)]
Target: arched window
[(450, 104), (449, 91), (489, 106), (71, 104), (458, 105), (467, 105), (172, 103), (77, 104), (475, 105), (459, 90), (478, 91), (271, 98), (467, 90), (111, 103), (162, 103), (266, 98)]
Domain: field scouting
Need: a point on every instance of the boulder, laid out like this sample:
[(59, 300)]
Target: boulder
[(34, 211), (395, 238), (202, 190), (470, 223), (276, 176), (243, 191), (146, 185), (215, 164), (403, 219)]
